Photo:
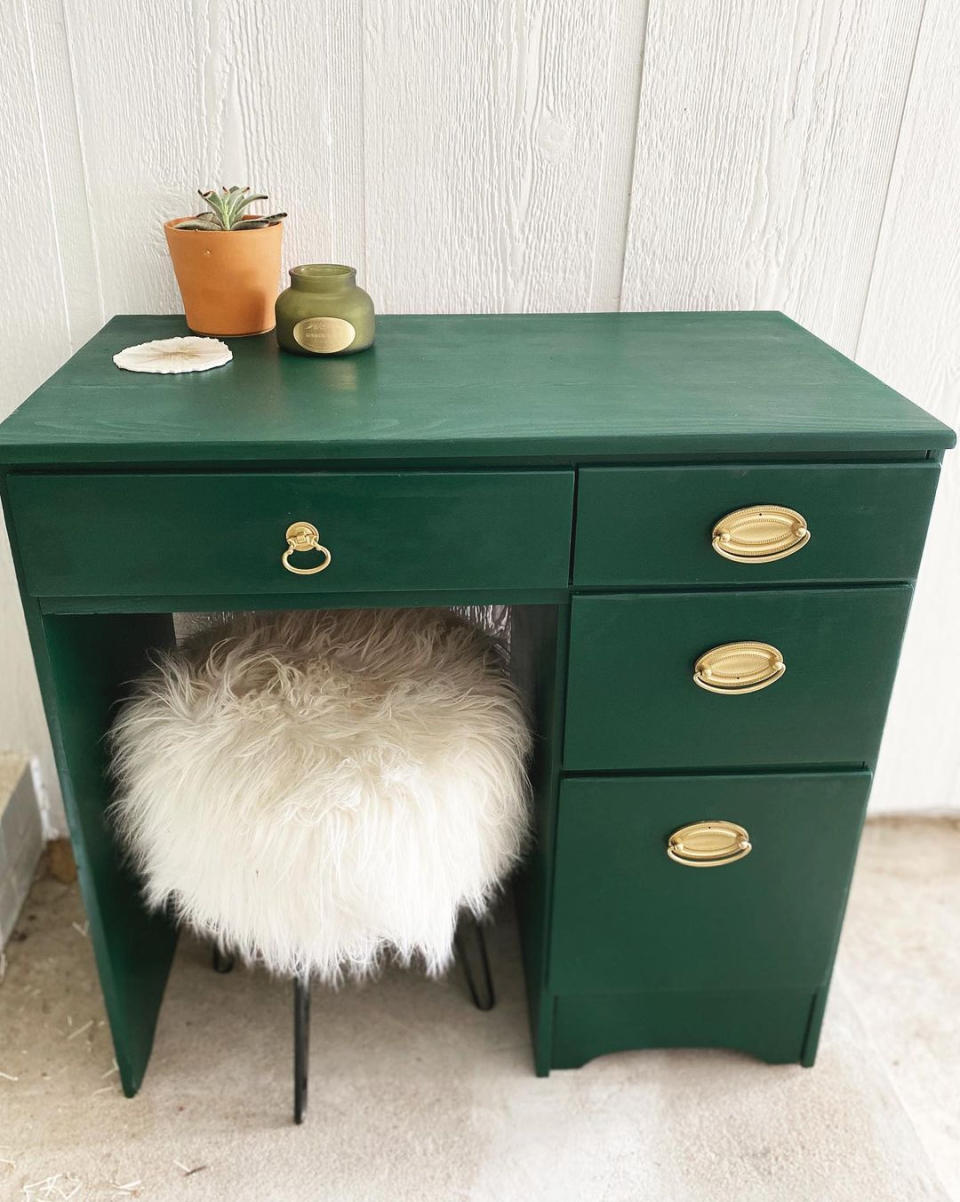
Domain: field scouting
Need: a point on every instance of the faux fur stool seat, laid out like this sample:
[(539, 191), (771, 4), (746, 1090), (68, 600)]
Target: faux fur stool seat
[(313, 789)]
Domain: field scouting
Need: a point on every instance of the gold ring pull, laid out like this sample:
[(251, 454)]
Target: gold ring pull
[(760, 534), (709, 844), (302, 536), (738, 668)]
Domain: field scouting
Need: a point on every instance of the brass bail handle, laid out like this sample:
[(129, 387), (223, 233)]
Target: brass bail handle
[(709, 844), (736, 668), (303, 536), (760, 534)]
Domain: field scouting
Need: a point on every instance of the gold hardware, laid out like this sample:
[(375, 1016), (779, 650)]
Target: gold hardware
[(760, 534), (738, 668), (302, 536), (708, 844)]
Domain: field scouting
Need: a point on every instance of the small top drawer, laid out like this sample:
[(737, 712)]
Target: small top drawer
[(190, 534), (656, 525)]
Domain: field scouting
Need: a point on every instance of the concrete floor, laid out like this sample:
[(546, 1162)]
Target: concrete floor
[(415, 1095)]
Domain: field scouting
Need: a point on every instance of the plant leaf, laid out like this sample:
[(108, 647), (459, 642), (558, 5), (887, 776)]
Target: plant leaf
[(233, 206), (249, 200), (215, 201), (194, 224), (226, 207)]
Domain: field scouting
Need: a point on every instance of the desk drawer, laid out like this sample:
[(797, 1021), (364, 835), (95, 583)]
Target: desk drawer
[(655, 525), (627, 917), (632, 701), (122, 535)]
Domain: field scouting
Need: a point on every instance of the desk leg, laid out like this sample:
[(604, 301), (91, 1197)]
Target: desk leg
[(538, 641), (83, 662)]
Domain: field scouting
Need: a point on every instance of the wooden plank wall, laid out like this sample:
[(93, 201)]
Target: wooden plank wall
[(518, 155)]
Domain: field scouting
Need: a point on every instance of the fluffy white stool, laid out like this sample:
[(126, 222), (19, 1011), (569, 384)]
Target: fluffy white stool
[(316, 789)]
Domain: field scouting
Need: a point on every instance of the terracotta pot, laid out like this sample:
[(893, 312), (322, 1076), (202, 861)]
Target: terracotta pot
[(228, 279)]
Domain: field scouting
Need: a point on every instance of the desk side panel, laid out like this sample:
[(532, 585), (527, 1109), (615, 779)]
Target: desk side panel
[(83, 663)]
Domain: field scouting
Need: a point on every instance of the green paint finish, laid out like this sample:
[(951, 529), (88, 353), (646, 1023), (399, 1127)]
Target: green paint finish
[(768, 1023), (84, 664), (653, 526), (221, 602), (538, 641), (571, 387), (632, 702), (628, 918), (114, 535), (439, 468)]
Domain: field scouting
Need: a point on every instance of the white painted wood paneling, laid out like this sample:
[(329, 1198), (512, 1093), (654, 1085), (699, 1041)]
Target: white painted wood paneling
[(70, 214), (140, 73), (911, 338), (765, 138), (36, 341), (512, 155), (287, 113), (485, 131)]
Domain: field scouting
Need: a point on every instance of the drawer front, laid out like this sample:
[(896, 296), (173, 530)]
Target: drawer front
[(627, 917), (655, 525), (120, 535), (632, 701)]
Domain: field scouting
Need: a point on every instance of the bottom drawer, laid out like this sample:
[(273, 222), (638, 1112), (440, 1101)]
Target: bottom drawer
[(628, 917)]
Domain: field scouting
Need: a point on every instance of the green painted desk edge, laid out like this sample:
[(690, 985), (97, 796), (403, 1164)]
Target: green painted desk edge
[(452, 427)]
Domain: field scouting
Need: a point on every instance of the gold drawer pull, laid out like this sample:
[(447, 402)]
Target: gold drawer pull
[(302, 536), (760, 534), (738, 668), (708, 844)]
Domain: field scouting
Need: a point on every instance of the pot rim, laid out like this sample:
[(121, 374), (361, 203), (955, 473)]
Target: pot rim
[(171, 225)]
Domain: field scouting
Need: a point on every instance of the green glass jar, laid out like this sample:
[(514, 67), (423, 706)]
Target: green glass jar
[(323, 312)]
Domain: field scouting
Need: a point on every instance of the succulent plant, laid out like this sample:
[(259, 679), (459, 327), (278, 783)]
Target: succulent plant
[(225, 212)]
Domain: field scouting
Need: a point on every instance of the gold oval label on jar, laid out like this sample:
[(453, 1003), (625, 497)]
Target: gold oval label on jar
[(324, 335)]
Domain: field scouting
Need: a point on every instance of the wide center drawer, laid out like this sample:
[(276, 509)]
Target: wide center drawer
[(152, 534), (627, 917), (632, 701), (656, 525)]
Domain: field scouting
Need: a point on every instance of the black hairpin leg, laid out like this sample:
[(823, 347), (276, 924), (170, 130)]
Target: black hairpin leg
[(222, 961), (479, 983), (301, 1045)]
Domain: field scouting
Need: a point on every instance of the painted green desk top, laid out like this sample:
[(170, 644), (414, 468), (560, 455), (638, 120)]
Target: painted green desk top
[(559, 388)]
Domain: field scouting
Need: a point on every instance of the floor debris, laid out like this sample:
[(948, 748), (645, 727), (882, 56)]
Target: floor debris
[(59, 1187), (189, 1172)]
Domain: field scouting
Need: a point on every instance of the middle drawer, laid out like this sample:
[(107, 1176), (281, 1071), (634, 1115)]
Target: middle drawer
[(632, 702)]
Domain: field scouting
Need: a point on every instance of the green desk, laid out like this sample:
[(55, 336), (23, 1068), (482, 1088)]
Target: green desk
[(707, 525)]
